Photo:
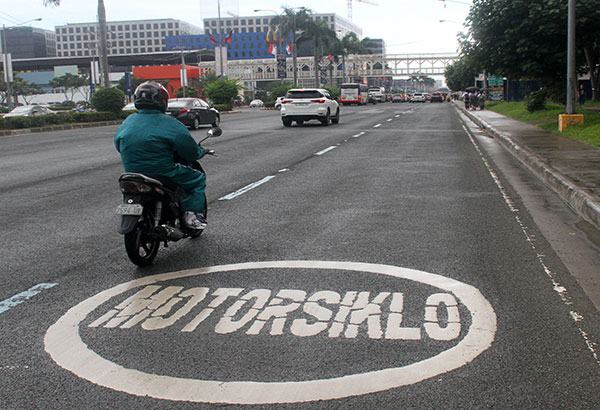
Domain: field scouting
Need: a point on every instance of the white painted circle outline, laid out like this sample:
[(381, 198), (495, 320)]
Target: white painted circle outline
[(67, 349)]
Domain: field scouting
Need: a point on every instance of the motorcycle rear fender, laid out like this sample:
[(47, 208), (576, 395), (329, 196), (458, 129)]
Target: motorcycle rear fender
[(127, 223)]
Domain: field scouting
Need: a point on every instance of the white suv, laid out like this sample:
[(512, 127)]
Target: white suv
[(304, 104)]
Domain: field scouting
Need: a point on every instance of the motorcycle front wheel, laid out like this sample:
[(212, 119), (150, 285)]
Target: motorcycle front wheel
[(141, 247)]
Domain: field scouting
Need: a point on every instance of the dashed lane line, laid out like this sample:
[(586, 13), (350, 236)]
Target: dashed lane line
[(19, 298)]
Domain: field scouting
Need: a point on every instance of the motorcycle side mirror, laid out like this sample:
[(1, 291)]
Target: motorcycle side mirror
[(214, 132)]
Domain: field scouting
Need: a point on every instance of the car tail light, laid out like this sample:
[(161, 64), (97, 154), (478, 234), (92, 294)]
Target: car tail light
[(286, 101), (133, 187), (183, 111), (318, 101)]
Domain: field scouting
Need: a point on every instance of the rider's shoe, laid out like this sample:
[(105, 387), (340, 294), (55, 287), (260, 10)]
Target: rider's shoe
[(194, 220)]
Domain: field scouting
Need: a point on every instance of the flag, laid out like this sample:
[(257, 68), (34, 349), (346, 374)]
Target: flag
[(211, 38), (227, 39), (288, 48), (272, 49)]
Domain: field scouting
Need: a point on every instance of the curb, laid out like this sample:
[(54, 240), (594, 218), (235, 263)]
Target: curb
[(59, 127), (23, 131), (576, 197)]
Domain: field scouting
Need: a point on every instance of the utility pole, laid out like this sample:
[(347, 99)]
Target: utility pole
[(7, 70), (570, 117), (571, 73), (103, 46)]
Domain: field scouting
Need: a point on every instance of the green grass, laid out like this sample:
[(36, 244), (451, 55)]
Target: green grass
[(547, 118)]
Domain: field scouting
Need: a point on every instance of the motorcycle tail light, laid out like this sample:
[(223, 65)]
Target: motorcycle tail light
[(318, 101), (133, 187)]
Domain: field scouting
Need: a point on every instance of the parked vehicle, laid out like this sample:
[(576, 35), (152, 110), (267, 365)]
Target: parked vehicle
[(309, 104), (257, 104), (193, 112), (151, 212), (29, 111)]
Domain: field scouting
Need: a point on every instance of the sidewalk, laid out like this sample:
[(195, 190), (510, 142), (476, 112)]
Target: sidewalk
[(571, 168)]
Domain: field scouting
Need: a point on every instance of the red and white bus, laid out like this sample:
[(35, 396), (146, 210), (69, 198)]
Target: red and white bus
[(353, 93)]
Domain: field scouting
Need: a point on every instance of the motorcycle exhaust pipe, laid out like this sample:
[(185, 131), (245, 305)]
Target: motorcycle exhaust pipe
[(170, 233)]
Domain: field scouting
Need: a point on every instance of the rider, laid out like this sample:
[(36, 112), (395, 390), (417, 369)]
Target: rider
[(149, 142)]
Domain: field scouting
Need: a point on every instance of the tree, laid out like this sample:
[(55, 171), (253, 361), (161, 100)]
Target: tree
[(461, 74), (222, 91), (69, 83), (23, 88), (349, 44), (108, 99), (528, 38), (122, 84), (323, 38), (186, 92), (291, 21)]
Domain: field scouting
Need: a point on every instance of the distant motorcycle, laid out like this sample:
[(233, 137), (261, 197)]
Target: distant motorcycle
[(151, 212)]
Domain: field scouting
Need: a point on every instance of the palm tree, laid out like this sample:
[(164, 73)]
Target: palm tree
[(323, 38), (291, 21), (51, 3), (349, 44)]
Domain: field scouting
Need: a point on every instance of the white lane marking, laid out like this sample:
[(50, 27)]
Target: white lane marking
[(64, 344), (529, 237), (24, 296), (246, 188), (377, 126), (358, 135), (389, 119), (325, 150), (397, 115)]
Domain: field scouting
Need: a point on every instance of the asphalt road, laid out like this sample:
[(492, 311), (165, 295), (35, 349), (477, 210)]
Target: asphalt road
[(390, 261)]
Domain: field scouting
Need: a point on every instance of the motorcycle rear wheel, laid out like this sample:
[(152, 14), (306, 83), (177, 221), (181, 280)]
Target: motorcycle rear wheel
[(140, 246)]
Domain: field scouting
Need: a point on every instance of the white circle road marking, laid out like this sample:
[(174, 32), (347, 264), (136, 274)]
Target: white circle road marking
[(64, 344)]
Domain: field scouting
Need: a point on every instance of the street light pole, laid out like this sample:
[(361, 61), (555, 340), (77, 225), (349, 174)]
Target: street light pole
[(103, 46)]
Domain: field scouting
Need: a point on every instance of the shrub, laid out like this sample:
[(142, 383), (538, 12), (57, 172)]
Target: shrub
[(189, 92), (222, 91), (536, 101), (108, 99), (18, 122), (224, 107)]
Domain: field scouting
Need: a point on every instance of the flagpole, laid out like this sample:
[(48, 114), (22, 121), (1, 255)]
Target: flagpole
[(220, 37)]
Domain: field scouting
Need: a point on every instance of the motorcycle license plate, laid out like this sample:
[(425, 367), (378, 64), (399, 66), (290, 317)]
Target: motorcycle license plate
[(130, 209)]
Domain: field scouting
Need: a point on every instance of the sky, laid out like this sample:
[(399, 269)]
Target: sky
[(407, 26)]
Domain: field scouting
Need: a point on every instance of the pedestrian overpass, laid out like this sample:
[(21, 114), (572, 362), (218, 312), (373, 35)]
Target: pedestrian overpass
[(353, 68)]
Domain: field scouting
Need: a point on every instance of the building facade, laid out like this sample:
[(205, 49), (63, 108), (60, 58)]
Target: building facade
[(245, 37), (29, 42), (124, 37), (253, 24)]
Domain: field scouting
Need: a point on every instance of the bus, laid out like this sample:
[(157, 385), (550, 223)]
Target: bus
[(353, 93)]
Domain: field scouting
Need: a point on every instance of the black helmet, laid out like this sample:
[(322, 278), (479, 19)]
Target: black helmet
[(151, 95)]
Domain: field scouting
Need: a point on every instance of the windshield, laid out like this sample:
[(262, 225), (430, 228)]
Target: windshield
[(21, 110), (179, 103), (304, 94)]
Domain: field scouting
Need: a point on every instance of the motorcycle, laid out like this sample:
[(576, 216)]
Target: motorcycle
[(151, 212)]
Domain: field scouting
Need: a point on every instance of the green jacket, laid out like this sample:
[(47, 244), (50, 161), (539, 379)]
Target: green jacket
[(149, 140)]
